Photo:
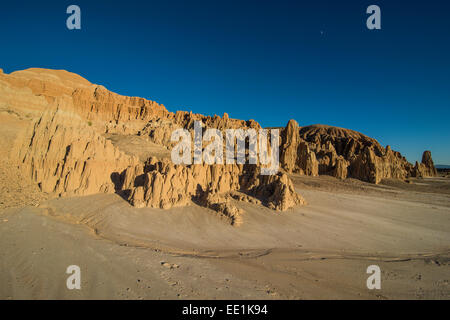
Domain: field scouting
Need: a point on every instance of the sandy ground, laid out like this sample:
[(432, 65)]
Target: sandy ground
[(318, 251)]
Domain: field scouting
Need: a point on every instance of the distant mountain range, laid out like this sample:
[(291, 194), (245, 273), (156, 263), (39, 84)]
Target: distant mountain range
[(442, 166)]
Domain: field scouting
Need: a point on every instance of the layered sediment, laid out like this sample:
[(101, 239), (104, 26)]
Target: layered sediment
[(63, 149), (343, 153)]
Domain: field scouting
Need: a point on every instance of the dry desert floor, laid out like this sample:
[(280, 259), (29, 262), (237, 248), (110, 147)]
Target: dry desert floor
[(317, 251)]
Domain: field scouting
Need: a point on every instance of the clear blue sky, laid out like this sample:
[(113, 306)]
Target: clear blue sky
[(314, 61)]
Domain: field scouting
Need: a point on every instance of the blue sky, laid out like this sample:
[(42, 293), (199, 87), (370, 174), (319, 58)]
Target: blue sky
[(314, 61)]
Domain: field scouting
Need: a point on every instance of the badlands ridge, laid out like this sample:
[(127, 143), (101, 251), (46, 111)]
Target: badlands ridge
[(75, 138)]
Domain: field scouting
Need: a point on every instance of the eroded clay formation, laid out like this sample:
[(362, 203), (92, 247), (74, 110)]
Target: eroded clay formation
[(342, 153), (62, 147)]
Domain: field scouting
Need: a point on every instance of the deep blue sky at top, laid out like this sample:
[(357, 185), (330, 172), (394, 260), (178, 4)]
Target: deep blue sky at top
[(314, 61)]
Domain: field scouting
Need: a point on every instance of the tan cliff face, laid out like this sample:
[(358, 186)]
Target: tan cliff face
[(66, 157), (161, 184), (61, 145), (104, 109), (63, 148)]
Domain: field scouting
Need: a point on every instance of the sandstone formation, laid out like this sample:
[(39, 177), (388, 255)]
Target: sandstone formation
[(67, 157), (372, 167), (161, 184), (426, 167), (343, 153), (64, 150), (160, 129), (296, 155), (222, 203), (61, 145)]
